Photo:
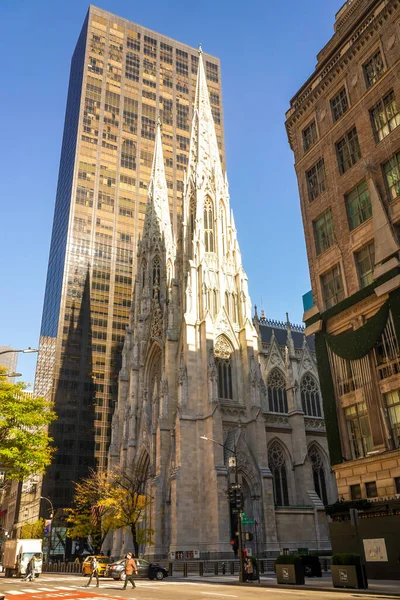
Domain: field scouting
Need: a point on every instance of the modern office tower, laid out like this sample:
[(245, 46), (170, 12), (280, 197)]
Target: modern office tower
[(123, 76), (343, 127)]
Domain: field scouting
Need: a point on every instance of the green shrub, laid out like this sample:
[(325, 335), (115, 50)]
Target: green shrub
[(288, 559), (346, 559)]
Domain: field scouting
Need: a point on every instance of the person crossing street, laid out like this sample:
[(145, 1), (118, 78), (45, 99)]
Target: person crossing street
[(130, 569), (94, 571)]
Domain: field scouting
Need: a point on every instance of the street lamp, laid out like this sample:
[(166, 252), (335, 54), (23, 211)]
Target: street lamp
[(51, 517), (10, 374), (25, 351), (233, 463)]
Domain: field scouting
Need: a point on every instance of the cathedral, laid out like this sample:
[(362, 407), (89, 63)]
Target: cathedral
[(203, 380)]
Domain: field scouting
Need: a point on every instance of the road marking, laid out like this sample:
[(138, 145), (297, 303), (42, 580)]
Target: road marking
[(12, 593), (216, 594)]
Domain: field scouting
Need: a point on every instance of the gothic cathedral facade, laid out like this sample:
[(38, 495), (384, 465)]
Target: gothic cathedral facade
[(197, 365)]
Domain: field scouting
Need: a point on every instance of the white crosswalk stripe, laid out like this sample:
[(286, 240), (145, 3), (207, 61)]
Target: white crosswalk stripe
[(12, 593)]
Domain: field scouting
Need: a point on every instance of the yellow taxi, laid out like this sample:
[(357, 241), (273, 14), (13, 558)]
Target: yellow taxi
[(102, 562)]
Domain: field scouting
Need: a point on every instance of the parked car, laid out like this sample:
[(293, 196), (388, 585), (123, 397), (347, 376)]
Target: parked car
[(102, 561), (146, 570)]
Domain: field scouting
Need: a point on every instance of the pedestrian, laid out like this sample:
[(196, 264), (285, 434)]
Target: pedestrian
[(245, 565), (250, 570), (223, 568), (130, 568), (30, 570), (94, 570)]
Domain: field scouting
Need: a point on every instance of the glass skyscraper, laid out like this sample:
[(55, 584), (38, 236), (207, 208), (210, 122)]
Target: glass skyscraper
[(123, 76)]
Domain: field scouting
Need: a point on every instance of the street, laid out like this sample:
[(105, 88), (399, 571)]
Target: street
[(71, 587)]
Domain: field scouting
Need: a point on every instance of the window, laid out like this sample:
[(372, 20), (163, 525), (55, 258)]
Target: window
[(392, 400), (358, 205), (316, 181), (309, 136), (332, 287), (318, 473), (397, 484), (128, 154), (208, 226), (348, 151), (365, 260), (339, 105), (355, 492), (392, 175), (324, 234), (385, 116), (276, 385), (224, 370), (358, 429), (373, 69), (276, 462), (310, 399), (223, 360), (370, 489)]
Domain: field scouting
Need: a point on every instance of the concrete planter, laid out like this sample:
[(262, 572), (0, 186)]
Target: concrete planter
[(290, 574), (348, 576)]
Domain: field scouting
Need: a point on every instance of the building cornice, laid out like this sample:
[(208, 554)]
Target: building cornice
[(336, 63)]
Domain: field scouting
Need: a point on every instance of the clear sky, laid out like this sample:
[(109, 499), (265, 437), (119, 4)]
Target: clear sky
[(267, 51)]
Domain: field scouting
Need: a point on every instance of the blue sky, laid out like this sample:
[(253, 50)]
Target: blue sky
[(267, 51)]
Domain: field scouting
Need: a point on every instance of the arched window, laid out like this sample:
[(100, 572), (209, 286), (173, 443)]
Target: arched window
[(277, 392), (192, 217), (156, 277), (277, 464), (235, 309), (310, 396), (144, 268), (223, 353), (208, 226), (227, 307), (318, 473), (222, 227)]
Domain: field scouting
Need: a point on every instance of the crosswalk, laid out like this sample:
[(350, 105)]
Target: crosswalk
[(48, 588)]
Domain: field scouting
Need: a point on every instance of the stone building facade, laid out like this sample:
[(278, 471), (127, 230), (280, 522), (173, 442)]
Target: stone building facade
[(343, 127), (196, 365)]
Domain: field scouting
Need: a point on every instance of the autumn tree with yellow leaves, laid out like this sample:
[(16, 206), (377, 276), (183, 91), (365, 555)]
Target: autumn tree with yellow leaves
[(105, 502)]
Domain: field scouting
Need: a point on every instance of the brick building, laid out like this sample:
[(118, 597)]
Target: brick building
[(342, 126)]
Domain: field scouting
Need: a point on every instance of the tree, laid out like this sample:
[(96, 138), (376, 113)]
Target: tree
[(88, 516), (31, 531), (128, 502), (103, 502), (25, 446)]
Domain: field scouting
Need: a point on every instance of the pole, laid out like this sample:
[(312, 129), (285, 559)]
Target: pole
[(50, 525), (257, 561), (241, 566)]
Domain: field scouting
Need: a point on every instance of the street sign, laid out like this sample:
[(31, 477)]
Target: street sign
[(247, 522)]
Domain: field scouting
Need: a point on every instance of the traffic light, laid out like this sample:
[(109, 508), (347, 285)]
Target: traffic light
[(231, 495), (238, 498)]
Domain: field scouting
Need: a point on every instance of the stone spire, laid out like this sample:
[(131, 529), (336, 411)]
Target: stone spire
[(204, 168), (158, 221), (289, 338)]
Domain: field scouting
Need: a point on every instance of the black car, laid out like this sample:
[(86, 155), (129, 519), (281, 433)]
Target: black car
[(145, 570)]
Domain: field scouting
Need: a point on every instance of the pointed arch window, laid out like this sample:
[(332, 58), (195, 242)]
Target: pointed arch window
[(277, 464), (156, 277), (208, 226), (192, 217), (318, 473), (223, 361), (310, 398), (144, 269), (276, 385), (222, 228)]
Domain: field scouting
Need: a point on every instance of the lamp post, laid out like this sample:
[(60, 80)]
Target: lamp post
[(50, 526), (10, 374), (233, 463), (25, 351)]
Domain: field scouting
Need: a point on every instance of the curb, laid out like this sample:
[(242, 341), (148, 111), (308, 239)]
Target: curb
[(255, 584)]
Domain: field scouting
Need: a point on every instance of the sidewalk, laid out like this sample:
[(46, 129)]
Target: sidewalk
[(324, 583)]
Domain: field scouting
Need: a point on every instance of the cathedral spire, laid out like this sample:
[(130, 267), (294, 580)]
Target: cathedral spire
[(158, 220)]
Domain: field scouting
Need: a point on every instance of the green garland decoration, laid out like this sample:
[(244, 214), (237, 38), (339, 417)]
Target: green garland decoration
[(328, 398), (354, 344)]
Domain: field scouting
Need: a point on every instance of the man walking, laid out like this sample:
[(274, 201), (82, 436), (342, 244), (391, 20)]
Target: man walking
[(130, 568), (94, 571), (30, 570)]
